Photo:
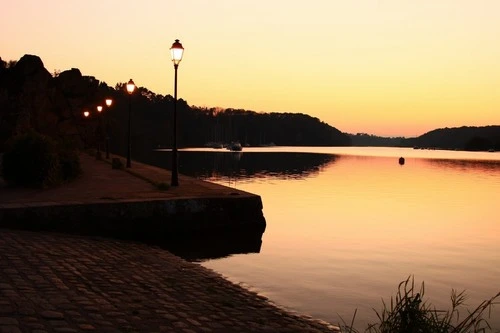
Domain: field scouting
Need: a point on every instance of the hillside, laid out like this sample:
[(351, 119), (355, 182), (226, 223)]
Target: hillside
[(53, 104), (482, 138)]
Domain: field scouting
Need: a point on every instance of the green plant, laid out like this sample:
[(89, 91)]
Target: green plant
[(409, 313), (116, 163), (69, 164), (162, 186), (31, 159)]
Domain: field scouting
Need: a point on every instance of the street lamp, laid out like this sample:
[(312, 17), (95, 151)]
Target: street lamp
[(99, 133), (176, 52), (130, 90), (86, 114), (109, 101)]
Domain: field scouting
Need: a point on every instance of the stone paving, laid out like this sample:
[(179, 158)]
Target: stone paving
[(65, 283), (61, 283)]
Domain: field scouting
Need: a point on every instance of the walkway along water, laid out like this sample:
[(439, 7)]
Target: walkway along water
[(55, 282)]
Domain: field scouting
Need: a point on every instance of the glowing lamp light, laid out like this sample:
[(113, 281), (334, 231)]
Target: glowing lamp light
[(176, 52), (99, 108), (130, 86), (86, 114), (109, 101)]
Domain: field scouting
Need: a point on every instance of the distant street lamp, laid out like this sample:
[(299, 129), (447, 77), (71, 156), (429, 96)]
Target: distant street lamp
[(99, 133), (176, 52), (86, 114), (130, 90), (109, 101)]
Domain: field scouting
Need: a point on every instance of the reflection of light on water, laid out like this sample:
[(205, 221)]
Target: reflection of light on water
[(369, 151), (344, 227), (343, 233)]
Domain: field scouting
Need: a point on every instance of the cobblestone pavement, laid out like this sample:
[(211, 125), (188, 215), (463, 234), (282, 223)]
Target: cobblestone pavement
[(61, 283)]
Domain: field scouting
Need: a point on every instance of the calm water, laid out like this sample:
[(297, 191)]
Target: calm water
[(346, 225)]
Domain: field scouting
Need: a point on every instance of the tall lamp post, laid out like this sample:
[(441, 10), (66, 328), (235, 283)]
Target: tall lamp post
[(130, 90), (109, 101), (99, 133), (176, 52)]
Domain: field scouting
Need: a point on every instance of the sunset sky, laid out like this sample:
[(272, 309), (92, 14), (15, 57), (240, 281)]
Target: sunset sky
[(384, 67)]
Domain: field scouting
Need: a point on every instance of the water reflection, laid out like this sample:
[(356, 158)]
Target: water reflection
[(344, 229), (218, 246), (234, 166), (239, 165), (473, 165)]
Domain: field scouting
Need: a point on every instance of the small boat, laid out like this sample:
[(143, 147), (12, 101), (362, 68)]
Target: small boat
[(234, 146)]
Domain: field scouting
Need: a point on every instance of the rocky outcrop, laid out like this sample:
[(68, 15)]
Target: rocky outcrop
[(31, 98)]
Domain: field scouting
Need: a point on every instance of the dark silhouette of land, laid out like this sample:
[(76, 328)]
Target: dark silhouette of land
[(483, 138), (53, 104)]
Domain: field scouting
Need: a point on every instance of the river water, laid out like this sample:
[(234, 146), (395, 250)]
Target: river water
[(345, 225)]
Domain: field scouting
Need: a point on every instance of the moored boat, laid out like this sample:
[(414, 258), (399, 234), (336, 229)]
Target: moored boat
[(234, 146)]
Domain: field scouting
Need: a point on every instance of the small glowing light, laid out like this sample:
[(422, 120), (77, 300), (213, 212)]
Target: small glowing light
[(130, 86), (109, 101), (86, 114), (99, 108)]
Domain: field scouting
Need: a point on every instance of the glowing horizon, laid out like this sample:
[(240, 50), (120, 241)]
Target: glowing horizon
[(383, 67)]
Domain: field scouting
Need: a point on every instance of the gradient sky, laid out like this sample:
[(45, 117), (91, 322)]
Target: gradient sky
[(384, 67)]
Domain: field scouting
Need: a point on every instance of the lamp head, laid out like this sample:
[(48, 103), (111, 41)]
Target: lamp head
[(99, 108), (130, 87), (176, 52), (109, 101), (86, 114)]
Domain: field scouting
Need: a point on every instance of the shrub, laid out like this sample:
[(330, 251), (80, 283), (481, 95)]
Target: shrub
[(35, 160), (31, 159), (162, 186), (408, 313), (70, 164), (116, 163)]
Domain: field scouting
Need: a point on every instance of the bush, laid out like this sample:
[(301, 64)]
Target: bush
[(35, 160), (116, 163), (31, 160), (162, 186), (70, 164), (409, 313)]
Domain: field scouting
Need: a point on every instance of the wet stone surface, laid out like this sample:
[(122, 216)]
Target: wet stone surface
[(61, 283)]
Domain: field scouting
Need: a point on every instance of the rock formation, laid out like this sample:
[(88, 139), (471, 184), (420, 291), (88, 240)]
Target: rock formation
[(30, 97)]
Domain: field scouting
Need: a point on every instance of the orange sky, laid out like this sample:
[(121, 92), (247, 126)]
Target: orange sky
[(384, 67)]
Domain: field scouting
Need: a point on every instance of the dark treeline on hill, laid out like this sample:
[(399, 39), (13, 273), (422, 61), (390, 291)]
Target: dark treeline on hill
[(482, 138), (53, 104), (370, 140)]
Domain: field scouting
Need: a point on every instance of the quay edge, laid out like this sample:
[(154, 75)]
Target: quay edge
[(153, 219)]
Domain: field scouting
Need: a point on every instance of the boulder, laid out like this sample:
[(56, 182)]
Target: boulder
[(30, 98)]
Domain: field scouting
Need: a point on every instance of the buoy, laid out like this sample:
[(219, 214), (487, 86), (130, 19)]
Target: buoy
[(401, 161)]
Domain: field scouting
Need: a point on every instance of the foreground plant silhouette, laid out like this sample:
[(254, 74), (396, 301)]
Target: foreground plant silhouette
[(409, 313)]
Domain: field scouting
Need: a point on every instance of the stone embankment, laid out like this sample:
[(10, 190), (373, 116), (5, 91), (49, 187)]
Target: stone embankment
[(128, 204)]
